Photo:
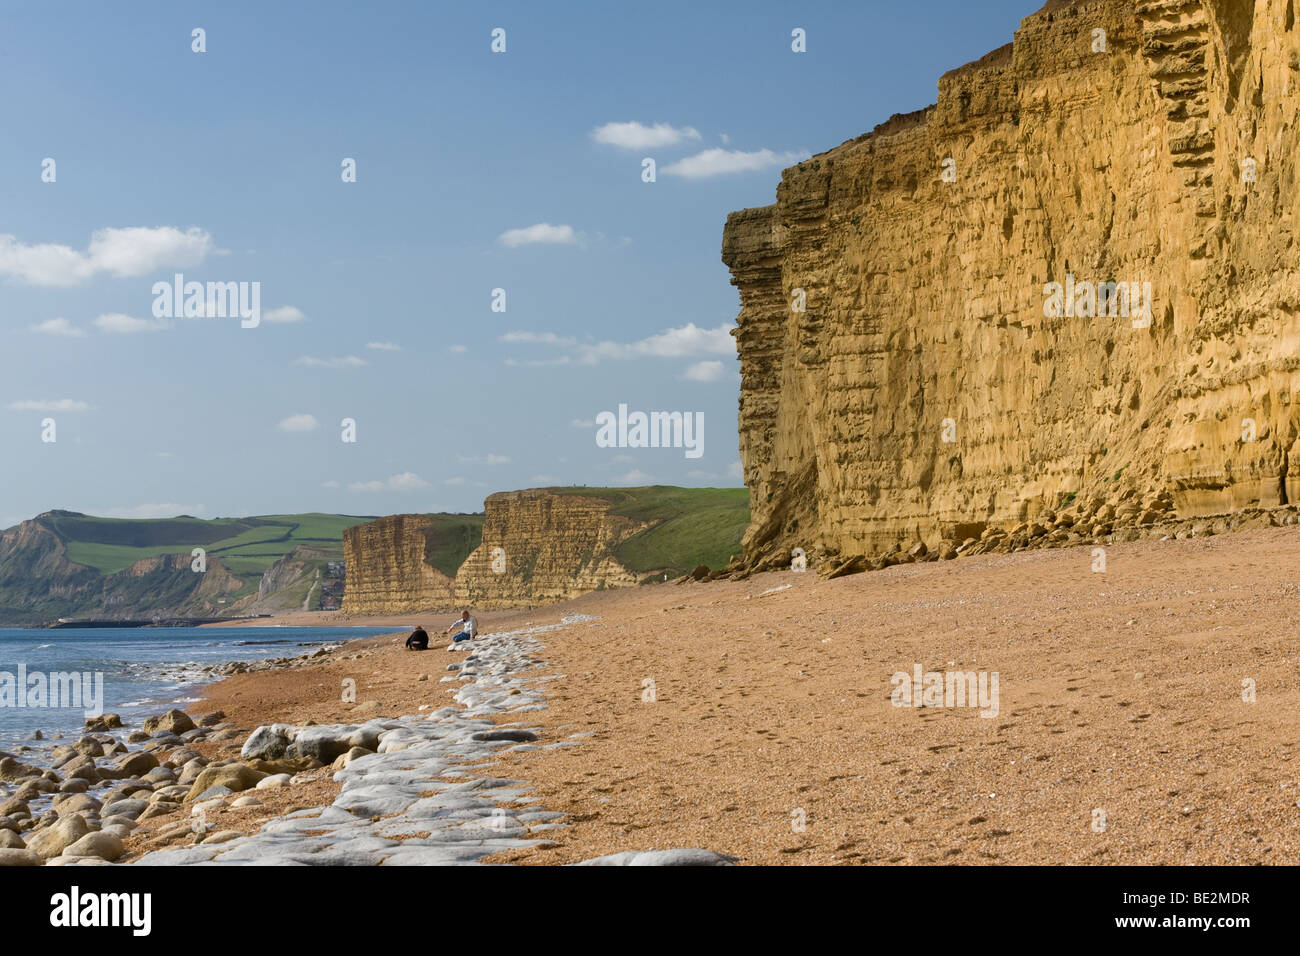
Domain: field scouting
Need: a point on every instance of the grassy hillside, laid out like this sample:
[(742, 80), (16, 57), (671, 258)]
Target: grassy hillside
[(452, 538), (692, 526), (247, 546)]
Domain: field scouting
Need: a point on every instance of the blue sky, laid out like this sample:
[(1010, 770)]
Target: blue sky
[(475, 171)]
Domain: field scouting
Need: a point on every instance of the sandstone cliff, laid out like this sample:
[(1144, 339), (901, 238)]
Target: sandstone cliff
[(547, 548), (390, 568), (539, 546), (929, 392)]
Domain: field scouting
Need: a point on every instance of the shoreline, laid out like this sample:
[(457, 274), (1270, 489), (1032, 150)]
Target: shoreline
[(757, 718)]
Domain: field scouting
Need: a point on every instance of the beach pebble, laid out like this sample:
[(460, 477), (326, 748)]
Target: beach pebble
[(221, 836), (133, 764), (214, 795), (15, 806), (662, 858), (130, 809), (74, 785), (19, 858), (246, 802), (14, 770), (173, 722), (274, 781), (212, 719), (105, 846), (266, 743), (78, 803), (53, 840), (235, 777), (136, 737)]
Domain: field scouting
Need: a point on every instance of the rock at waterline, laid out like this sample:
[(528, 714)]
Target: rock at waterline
[(175, 721)]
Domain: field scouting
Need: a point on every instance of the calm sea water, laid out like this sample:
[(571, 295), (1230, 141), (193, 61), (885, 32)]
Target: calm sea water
[(143, 668)]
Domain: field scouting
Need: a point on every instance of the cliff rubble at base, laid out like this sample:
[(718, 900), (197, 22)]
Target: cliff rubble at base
[(925, 396)]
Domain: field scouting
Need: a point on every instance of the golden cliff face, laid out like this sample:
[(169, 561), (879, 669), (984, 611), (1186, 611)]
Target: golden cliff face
[(539, 547), (387, 571), (929, 390)]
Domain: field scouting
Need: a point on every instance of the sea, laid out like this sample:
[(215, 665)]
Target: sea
[(140, 671)]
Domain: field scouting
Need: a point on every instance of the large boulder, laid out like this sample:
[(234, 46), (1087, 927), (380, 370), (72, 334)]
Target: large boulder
[(83, 768), (78, 803), (134, 764), (54, 839), (174, 721), (11, 841), (12, 770), (19, 858), (103, 846), (267, 742), (236, 776)]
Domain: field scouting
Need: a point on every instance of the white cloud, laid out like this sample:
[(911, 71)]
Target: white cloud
[(485, 460), (330, 484), (635, 135), (384, 346), (709, 371), (734, 470), (153, 511), (49, 405), (61, 327), (635, 477), (723, 162), (133, 251), (544, 479), (284, 314), (299, 423), (454, 481), (457, 349), (406, 481), (115, 323), (583, 423), (544, 338), (345, 361), (542, 232), (537, 363), (685, 341)]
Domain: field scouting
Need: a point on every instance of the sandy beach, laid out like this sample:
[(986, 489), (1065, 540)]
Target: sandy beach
[(1120, 736)]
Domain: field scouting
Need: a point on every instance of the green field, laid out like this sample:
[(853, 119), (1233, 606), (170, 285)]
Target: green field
[(692, 526), (244, 545), (454, 537)]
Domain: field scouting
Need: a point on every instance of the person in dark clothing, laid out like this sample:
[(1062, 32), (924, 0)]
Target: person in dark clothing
[(419, 639)]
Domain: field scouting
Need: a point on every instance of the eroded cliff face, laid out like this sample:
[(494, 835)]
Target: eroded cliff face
[(924, 395), (547, 548), (387, 569), (38, 583)]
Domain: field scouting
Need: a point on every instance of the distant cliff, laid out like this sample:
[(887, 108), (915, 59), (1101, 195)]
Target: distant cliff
[(38, 584), (1061, 304), (406, 562), (540, 546), (67, 564)]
